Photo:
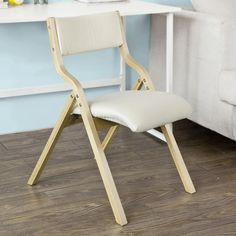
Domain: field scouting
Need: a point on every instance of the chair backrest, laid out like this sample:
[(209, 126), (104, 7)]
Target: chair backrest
[(89, 32)]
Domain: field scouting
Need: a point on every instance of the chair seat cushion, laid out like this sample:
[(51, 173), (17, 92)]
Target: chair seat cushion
[(139, 110)]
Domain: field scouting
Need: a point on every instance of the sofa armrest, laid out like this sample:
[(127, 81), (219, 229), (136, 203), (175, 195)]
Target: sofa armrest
[(192, 14), (215, 36), (227, 86)]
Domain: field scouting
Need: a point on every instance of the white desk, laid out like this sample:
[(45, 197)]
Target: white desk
[(39, 13)]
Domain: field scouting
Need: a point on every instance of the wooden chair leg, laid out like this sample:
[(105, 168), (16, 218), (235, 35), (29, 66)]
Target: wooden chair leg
[(103, 167), (106, 141), (178, 159), (110, 187), (61, 123), (109, 136)]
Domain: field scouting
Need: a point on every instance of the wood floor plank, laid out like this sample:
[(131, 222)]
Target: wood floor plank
[(70, 198)]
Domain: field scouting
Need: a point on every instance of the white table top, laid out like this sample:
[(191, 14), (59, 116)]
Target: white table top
[(37, 13)]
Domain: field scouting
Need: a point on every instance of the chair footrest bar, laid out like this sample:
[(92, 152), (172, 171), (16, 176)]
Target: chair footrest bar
[(157, 134)]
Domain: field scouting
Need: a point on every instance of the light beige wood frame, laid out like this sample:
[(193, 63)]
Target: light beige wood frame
[(92, 125)]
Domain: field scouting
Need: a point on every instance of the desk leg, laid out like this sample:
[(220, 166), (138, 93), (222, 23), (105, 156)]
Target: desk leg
[(169, 54), (169, 66), (123, 65), (169, 51)]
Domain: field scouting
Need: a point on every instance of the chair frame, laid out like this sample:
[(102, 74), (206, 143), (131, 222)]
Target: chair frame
[(93, 125)]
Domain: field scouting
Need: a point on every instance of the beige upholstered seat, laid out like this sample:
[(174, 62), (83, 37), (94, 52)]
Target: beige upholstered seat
[(139, 110)]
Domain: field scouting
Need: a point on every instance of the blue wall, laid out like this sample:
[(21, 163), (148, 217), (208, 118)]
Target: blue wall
[(26, 61)]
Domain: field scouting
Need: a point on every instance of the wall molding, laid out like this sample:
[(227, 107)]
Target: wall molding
[(55, 88)]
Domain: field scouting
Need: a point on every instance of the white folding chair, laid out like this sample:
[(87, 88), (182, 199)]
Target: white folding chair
[(138, 110)]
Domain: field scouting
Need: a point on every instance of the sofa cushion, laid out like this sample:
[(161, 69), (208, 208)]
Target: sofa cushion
[(227, 86)]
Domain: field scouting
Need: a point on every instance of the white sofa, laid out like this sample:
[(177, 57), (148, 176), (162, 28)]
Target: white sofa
[(204, 66)]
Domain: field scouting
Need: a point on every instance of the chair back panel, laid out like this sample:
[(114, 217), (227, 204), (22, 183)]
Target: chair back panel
[(89, 33)]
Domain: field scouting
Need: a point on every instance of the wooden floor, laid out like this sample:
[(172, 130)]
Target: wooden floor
[(70, 198)]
